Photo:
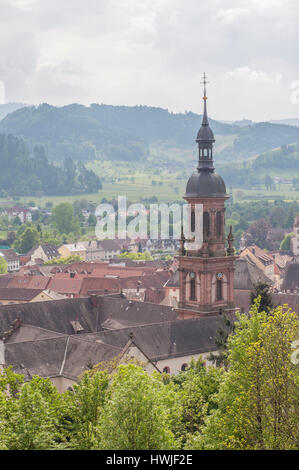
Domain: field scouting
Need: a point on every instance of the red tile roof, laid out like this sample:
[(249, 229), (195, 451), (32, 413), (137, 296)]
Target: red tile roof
[(65, 286), (8, 293), (29, 282)]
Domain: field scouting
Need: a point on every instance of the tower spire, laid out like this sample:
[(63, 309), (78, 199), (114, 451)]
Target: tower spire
[(205, 137), (205, 121)]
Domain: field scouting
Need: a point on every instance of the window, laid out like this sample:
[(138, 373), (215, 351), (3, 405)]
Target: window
[(166, 370), (219, 289), (192, 221), (206, 224), (184, 367), (218, 224), (192, 289)]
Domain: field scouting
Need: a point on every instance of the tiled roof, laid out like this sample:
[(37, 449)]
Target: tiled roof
[(11, 293), (109, 245), (247, 274), (10, 255), (65, 286), (174, 281), (30, 282)]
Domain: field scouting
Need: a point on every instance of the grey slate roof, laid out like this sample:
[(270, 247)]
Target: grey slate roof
[(66, 356), (205, 184), (120, 312), (174, 280), (53, 315), (69, 356), (247, 274), (110, 312), (168, 339)]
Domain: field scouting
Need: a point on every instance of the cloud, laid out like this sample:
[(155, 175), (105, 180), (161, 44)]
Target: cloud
[(152, 52), (256, 76)]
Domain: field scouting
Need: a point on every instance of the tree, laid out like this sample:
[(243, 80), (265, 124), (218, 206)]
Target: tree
[(63, 218), (83, 408), (136, 414), (195, 391), (286, 242), (68, 260), (258, 398), (29, 412), (220, 359), (262, 290), (27, 238), (258, 232), (92, 220), (3, 265)]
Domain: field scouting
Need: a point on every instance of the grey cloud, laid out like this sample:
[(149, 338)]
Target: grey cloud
[(152, 52)]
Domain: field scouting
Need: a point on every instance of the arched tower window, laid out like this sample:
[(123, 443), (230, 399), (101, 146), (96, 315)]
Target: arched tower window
[(192, 221), (218, 224), (219, 293), (206, 224), (192, 289)]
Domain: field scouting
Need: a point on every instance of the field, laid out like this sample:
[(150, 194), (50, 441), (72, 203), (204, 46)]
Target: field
[(163, 175)]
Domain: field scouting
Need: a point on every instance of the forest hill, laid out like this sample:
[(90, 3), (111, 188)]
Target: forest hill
[(24, 175)]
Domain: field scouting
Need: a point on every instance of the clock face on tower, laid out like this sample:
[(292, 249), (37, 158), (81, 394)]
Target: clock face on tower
[(219, 276), (192, 275)]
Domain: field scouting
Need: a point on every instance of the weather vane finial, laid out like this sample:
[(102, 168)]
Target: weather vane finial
[(204, 84)]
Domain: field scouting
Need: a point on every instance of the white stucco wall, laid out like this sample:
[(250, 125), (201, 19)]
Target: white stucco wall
[(175, 364)]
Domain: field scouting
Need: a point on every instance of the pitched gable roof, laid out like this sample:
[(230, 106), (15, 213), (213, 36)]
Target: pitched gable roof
[(247, 274), (18, 294)]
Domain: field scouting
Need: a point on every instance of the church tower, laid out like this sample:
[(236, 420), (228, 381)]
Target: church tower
[(206, 272)]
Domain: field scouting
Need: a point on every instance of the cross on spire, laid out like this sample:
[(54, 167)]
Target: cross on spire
[(204, 85)]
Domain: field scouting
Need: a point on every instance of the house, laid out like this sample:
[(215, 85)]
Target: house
[(22, 213), (246, 276), (12, 260), (295, 238), (94, 250), (172, 290), (45, 252), (69, 287), (110, 248), (264, 261), (13, 295), (73, 249)]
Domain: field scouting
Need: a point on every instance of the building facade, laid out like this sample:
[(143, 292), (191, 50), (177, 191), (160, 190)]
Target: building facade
[(206, 271)]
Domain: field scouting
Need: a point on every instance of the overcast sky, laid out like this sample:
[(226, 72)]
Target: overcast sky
[(153, 52)]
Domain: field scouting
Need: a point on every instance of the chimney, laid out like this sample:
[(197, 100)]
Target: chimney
[(94, 300)]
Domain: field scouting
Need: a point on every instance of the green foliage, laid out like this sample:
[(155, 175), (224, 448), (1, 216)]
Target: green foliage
[(68, 260), (3, 265), (136, 256), (92, 220), (28, 414), (262, 291), (27, 237), (64, 219), (83, 408), (286, 242), (196, 389), (258, 398), (136, 413), (23, 174)]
